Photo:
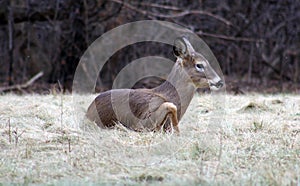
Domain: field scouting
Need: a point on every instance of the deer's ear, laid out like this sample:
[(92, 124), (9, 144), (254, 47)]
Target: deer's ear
[(182, 47), (179, 47)]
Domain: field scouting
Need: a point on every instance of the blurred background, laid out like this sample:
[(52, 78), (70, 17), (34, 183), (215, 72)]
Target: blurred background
[(257, 43)]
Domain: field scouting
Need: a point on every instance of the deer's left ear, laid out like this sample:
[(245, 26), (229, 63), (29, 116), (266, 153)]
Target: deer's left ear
[(182, 47)]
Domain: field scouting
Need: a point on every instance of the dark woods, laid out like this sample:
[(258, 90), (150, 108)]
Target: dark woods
[(257, 43)]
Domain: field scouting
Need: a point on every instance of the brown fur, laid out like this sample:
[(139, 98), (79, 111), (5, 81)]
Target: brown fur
[(151, 109)]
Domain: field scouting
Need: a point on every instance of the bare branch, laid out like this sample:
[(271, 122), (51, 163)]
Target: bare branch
[(180, 14), (22, 86), (229, 37), (159, 6), (127, 5), (188, 12)]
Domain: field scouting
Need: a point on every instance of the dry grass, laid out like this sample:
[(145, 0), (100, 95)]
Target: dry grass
[(254, 139)]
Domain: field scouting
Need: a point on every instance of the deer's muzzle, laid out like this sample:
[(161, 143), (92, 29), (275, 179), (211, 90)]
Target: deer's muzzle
[(217, 85)]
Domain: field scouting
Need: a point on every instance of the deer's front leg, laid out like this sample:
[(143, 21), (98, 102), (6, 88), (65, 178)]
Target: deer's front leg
[(166, 110)]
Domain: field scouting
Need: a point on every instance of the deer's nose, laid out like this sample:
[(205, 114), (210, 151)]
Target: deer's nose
[(219, 84)]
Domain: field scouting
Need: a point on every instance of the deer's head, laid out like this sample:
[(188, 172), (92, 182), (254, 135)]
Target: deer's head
[(201, 73)]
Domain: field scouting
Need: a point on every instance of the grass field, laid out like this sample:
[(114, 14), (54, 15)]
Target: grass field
[(247, 140)]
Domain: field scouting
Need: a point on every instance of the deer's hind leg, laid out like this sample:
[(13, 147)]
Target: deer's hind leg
[(165, 111)]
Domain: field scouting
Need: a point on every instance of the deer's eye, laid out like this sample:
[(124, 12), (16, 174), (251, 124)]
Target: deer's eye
[(199, 67)]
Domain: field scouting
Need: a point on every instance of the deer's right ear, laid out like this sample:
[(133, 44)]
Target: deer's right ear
[(179, 47)]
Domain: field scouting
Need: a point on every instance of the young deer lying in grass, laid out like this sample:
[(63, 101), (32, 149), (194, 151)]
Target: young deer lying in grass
[(152, 109)]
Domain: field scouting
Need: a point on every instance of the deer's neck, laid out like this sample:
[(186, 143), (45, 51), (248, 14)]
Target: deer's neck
[(178, 85)]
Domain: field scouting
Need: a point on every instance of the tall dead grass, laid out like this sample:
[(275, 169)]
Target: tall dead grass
[(251, 139)]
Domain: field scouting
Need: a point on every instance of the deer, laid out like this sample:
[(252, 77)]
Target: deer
[(162, 107)]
